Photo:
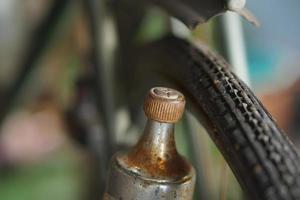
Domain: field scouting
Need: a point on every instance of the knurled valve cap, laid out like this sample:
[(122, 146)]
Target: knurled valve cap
[(164, 105), (153, 168)]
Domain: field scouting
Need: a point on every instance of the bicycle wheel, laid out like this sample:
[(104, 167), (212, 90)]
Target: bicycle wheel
[(263, 159)]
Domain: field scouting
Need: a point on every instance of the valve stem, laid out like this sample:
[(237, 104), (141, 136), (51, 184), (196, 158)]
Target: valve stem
[(153, 169)]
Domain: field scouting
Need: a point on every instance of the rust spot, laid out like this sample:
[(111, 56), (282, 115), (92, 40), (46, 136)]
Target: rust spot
[(170, 166)]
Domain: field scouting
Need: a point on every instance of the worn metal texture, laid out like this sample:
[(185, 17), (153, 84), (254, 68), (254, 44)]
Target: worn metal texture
[(154, 169), (164, 105), (125, 184), (155, 156)]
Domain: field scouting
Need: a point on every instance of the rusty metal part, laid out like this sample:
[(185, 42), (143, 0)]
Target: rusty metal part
[(164, 105), (153, 169)]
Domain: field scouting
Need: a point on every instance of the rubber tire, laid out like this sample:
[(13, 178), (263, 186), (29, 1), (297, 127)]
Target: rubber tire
[(263, 159)]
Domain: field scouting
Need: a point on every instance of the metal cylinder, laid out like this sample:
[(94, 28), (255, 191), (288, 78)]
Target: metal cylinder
[(153, 169)]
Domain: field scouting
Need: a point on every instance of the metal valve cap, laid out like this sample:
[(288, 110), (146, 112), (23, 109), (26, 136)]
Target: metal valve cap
[(164, 105)]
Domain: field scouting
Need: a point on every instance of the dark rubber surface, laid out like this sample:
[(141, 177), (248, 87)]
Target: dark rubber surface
[(263, 159)]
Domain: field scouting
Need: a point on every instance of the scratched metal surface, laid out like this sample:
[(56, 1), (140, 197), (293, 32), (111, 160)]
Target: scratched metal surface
[(153, 169), (125, 184)]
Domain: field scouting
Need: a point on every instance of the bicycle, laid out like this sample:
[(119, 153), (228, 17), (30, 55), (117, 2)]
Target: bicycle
[(263, 159)]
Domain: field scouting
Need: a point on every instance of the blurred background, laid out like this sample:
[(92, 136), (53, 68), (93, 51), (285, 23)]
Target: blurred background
[(55, 102)]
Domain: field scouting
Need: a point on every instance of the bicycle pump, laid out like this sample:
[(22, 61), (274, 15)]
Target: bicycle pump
[(153, 169)]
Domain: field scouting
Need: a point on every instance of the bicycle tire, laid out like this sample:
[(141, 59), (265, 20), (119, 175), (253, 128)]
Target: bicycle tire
[(263, 159)]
